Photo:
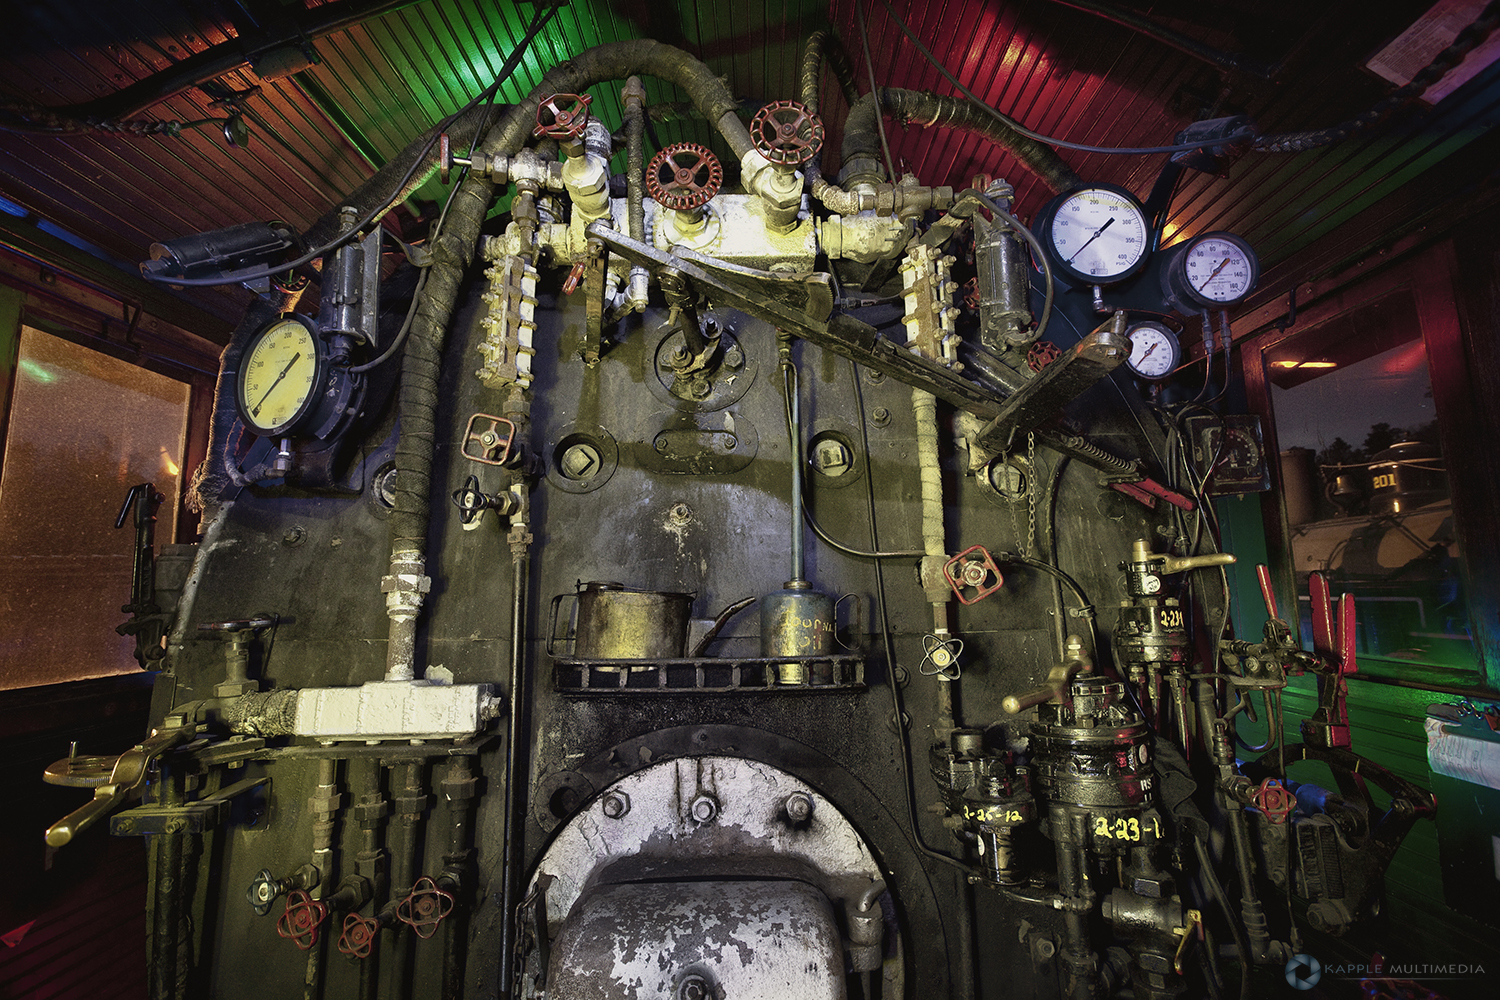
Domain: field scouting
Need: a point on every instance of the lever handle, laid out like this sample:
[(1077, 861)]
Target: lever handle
[(1181, 564), (1056, 683), (127, 775)]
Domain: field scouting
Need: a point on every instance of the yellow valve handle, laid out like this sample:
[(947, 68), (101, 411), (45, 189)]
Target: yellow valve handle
[(1192, 924)]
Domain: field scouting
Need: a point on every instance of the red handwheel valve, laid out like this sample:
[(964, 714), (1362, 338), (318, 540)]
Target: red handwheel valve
[(425, 907), (1275, 800), (300, 921), (786, 133), (359, 935), (563, 116), (684, 176)]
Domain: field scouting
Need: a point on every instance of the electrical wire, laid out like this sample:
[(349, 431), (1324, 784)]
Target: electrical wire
[(1011, 123), (539, 21), (864, 38)]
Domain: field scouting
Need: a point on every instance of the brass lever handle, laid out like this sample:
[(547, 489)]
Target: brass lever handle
[(1179, 564), (126, 776), (1056, 682)]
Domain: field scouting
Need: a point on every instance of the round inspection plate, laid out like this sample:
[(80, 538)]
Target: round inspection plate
[(723, 383), (582, 459), (80, 772)]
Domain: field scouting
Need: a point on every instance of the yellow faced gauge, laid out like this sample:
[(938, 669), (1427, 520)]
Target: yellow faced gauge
[(1096, 235), (278, 377)]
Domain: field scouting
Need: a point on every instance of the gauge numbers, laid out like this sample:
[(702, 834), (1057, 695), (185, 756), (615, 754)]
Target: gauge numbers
[(1219, 268), (278, 376), (1154, 351), (1098, 234)]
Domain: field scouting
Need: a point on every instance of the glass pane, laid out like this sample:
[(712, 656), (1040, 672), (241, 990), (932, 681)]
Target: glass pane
[(84, 428), (1366, 488)]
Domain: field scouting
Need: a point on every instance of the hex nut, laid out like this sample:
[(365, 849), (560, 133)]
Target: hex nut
[(799, 807), (693, 988), (832, 457), (616, 805), (880, 416), (704, 809)]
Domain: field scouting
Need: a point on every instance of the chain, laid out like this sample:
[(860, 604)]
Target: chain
[(1030, 494)]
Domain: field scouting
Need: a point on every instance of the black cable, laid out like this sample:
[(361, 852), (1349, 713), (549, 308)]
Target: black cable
[(1064, 144), (1241, 939), (864, 38), (543, 16)]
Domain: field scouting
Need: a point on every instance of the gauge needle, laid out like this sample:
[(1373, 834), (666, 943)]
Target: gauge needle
[(295, 358), (1223, 264), (1097, 233), (1149, 350)]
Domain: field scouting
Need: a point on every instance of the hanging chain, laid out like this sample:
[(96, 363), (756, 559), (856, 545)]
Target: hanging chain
[(1030, 494)]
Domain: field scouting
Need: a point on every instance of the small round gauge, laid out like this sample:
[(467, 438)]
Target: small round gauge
[(1211, 271), (1154, 351), (1096, 235), (279, 375)]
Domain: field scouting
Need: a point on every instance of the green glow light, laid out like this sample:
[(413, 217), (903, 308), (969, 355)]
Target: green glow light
[(38, 372)]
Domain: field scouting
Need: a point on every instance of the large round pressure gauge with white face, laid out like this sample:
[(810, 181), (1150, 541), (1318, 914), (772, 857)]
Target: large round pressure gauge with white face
[(1210, 272), (1096, 235), (279, 376)]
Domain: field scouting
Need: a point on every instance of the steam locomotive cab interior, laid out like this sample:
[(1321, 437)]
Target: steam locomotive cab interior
[(685, 523)]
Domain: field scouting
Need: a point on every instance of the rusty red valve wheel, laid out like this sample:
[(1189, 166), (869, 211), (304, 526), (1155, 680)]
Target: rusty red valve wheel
[(300, 921), (973, 568), (971, 293), (1275, 800), (684, 176), (563, 116), (359, 935), (1042, 354), (786, 133), (425, 907)]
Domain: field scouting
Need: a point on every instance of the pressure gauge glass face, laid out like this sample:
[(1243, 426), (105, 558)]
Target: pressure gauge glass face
[(1099, 234), (1154, 351), (278, 376), (1218, 269)]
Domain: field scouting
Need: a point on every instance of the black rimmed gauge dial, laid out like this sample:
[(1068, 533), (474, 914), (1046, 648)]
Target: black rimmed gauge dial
[(1095, 235), (1154, 351), (1210, 272), (279, 377)]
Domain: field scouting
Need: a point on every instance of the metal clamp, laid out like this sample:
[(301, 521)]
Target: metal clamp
[(969, 570), (493, 449)]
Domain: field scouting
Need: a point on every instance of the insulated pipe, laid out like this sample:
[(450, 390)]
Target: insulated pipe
[(924, 408), (453, 251), (861, 150), (820, 46), (634, 97)]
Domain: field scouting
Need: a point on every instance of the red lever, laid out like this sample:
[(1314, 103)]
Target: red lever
[(1263, 574), (359, 935), (575, 278), (425, 907), (299, 922)]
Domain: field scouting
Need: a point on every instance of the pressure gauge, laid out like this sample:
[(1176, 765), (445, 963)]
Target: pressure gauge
[(279, 377), (1096, 235), (1154, 351), (1210, 271)]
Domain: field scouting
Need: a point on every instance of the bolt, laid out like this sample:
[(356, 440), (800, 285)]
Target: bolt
[(705, 808), (294, 535), (880, 416), (832, 457), (680, 513), (974, 573), (176, 825), (616, 805), (875, 377), (734, 357), (661, 445), (693, 988), (124, 825), (489, 439), (580, 461), (799, 807), (677, 356), (700, 387)]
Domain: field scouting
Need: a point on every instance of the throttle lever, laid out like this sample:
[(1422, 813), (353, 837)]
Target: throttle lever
[(127, 776)]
